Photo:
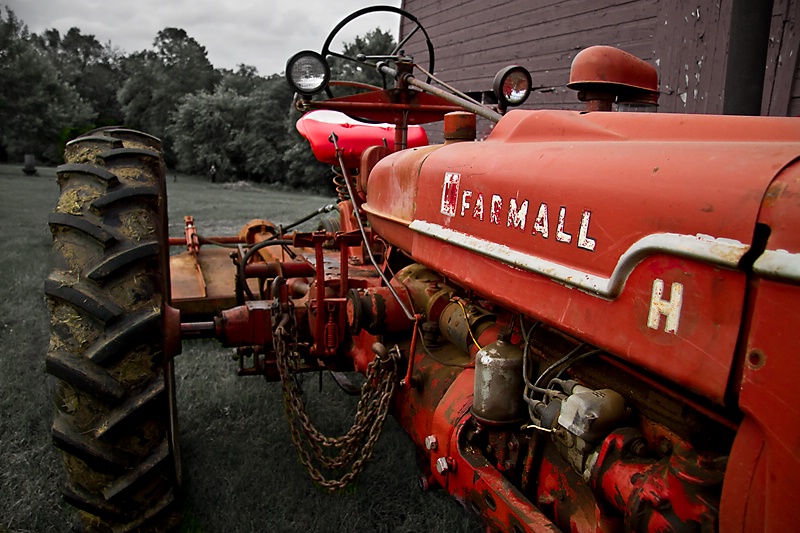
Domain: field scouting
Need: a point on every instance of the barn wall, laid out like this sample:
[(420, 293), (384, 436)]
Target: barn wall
[(686, 40), (781, 88), (474, 39), (691, 45)]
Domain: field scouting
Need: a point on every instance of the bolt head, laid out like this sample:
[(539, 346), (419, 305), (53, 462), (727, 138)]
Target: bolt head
[(431, 442), (424, 484), (639, 447), (442, 466)]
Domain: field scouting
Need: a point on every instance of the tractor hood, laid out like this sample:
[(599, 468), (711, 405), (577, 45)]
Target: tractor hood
[(638, 222)]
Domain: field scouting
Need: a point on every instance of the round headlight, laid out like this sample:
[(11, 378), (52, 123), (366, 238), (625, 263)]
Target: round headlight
[(512, 85), (307, 72)]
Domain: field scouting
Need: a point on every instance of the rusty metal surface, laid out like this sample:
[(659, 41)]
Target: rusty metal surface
[(294, 269), (547, 228), (606, 68), (563, 495), (680, 490), (781, 213), (459, 126), (204, 283), (186, 278), (414, 407), (172, 331), (435, 413), (629, 234), (765, 463), (245, 325), (498, 501)]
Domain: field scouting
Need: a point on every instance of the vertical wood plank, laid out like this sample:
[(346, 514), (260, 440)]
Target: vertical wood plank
[(691, 53), (782, 61), (686, 40)]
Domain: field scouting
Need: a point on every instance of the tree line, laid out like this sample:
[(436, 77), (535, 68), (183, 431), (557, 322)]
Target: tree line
[(54, 87)]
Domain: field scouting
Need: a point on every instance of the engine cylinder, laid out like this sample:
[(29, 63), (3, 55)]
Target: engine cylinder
[(498, 383)]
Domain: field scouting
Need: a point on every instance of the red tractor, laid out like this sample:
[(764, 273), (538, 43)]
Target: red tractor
[(584, 322)]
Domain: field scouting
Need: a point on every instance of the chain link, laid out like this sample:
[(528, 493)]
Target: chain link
[(352, 450)]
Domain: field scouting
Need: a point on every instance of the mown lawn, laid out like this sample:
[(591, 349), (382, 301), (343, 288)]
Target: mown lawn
[(240, 468)]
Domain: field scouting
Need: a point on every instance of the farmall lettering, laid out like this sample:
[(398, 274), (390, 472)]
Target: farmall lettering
[(510, 212)]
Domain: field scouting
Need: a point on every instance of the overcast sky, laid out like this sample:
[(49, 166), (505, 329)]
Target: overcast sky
[(262, 33)]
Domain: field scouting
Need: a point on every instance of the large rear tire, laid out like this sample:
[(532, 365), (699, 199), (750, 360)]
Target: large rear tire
[(115, 417)]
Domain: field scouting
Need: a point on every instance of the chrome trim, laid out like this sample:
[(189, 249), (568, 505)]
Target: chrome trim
[(704, 248), (778, 265)]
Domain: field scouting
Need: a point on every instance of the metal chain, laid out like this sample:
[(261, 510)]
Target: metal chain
[(355, 448)]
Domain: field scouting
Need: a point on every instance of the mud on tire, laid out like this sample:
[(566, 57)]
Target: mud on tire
[(114, 416)]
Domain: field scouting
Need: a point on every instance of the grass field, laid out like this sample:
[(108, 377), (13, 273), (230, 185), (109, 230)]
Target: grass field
[(240, 467)]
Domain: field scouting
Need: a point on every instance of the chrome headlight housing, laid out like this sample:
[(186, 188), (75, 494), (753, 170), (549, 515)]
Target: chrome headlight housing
[(512, 86), (307, 72)]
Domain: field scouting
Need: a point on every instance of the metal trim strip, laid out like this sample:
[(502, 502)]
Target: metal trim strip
[(778, 265), (704, 248)]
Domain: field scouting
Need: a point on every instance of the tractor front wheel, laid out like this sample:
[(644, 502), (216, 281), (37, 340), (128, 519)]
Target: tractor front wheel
[(115, 417)]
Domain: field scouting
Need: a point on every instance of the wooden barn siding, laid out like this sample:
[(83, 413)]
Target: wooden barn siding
[(780, 81), (474, 39), (686, 40), (692, 47)]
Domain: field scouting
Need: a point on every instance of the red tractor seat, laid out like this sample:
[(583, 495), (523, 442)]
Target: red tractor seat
[(354, 136)]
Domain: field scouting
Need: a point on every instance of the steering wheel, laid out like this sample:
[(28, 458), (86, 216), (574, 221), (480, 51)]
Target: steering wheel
[(326, 48)]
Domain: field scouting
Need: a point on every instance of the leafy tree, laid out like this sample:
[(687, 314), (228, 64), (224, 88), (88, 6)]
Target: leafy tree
[(35, 102), (303, 171), (241, 128), (137, 96), (375, 42), (91, 68), (185, 60), (157, 80), (201, 129), (242, 134), (243, 81)]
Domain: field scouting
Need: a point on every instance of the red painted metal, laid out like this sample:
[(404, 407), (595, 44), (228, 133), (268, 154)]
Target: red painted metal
[(389, 106), (257, 230), (564, 496), (224, 239), (661, 249), (349, 224), (459, 126), (246, 325), (651, 495), (354, 136), (294, 269), (192, 241), (600, 71), (471, 478), (571, 179), (376, 310), (172, 331), (407, 380), (764, 466)]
